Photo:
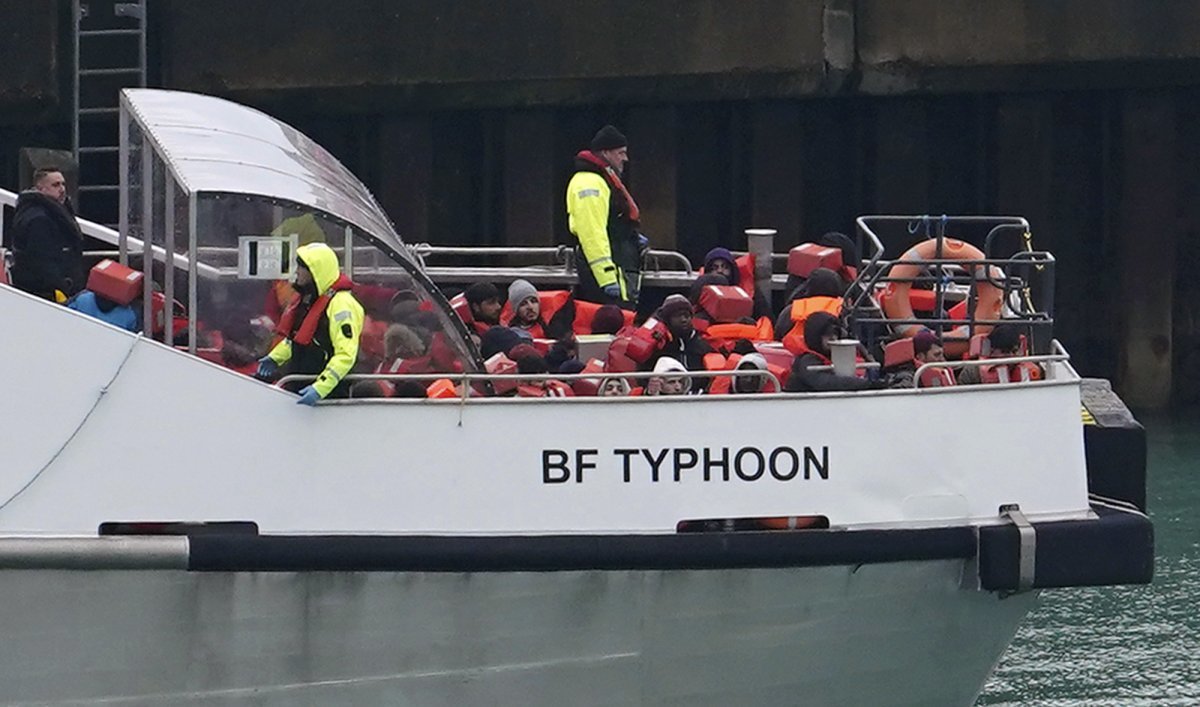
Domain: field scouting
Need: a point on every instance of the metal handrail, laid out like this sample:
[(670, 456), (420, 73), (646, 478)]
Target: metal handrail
[(562, 254), (465, 378), (976, 363), (111, 237)]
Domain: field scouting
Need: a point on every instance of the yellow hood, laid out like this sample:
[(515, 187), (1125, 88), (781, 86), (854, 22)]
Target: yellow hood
[(322, 262)]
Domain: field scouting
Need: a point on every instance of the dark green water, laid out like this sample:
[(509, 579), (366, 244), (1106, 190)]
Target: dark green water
[(1123, 646)]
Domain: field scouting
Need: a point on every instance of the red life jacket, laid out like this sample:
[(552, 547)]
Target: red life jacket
[(614, 181), (304, 333), (1022, 372)]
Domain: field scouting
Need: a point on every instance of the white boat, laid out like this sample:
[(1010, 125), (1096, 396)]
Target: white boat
[(172, 531)]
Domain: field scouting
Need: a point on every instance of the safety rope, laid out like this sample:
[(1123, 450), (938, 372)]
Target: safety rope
[(54, 457)]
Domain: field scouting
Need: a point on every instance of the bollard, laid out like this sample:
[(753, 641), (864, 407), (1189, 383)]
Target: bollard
[(760, 242), (842, 353)]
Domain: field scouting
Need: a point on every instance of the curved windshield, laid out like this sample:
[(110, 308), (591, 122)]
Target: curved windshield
[(232, 193)]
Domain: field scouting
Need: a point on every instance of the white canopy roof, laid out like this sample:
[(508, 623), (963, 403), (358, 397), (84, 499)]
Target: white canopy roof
[(213, 145)]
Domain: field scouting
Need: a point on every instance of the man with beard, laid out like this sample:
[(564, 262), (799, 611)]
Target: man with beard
[(320, 328), (604, 218), (47, 243)]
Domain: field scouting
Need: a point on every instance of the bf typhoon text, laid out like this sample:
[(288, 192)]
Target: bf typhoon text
[(684, 464)]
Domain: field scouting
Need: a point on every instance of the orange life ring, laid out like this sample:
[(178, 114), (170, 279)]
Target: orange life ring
[(989, 298)]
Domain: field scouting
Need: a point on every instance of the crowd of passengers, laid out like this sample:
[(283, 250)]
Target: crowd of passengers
[(325, 325), (721, 326)]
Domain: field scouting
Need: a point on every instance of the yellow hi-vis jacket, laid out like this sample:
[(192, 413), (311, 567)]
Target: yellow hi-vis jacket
[(588, 199), (338, 352)]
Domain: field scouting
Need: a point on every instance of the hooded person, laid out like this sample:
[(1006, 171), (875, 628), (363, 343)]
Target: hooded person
[(822, 291), (752, 383), (320, 329), (604, 219), (720, 261), (819, 329), (669, 385)]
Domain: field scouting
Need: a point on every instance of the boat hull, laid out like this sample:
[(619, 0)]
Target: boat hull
[(900, 633)]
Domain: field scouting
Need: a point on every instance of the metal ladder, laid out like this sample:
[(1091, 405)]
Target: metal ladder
[(110, 54)]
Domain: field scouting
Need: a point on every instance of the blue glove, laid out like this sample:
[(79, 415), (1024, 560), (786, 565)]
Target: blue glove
[(613, 290), (267, 368), (308, 396), (643, 241)]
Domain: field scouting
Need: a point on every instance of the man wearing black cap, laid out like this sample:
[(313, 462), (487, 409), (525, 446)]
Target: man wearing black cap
[(604, 217)]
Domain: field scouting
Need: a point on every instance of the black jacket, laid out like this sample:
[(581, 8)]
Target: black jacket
[(47, 247)]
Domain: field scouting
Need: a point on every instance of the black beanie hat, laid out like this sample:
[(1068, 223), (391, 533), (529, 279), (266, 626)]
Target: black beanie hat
[(609, 138), (481, 292)]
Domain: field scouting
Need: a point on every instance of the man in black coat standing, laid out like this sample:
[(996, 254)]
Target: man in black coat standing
[(47, 244)]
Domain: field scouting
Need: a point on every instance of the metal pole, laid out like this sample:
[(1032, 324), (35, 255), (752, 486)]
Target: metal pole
[(169, 259), (192, 305), (123, 184), (761, 244), (147, 225), (349, 269), (75, 20)]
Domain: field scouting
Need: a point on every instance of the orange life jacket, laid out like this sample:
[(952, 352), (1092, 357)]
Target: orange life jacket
[(801, 309)]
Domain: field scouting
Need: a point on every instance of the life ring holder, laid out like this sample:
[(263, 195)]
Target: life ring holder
[(989, 297)]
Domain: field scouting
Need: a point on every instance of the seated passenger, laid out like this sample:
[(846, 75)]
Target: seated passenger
[(752, 384), (498, 339), (530, 363), (484, 301), (669, 385), (820, 328), (822, 291), (686, 346), (615, 388), (526, 309), (719, 261), (123, 316), (403, 346), (609, 319), (926, 349), (1004, 341)]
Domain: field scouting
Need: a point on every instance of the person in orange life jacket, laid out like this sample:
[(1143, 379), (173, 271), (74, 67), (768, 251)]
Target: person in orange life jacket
[(320, 328), (686, 345), (926, 349), (719, 261), (614, 388), (1004, 341), (529, 362), (484, 300), (819, 329), (604, 219), (822, 282)]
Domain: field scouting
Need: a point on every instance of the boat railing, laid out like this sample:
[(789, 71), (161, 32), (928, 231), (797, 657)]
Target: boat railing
[(104, 234), (1006, 361), (462, 380)]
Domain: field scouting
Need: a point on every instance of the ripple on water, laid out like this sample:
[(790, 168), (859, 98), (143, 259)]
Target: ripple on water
[(1122, 646)]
